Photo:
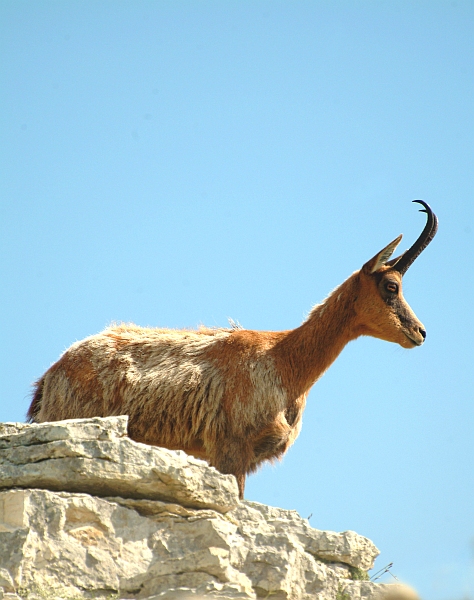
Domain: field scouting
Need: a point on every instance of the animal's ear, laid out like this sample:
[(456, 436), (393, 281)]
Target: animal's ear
[(393, 262), (381, 257)]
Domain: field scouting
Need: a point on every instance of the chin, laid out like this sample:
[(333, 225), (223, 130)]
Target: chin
[(408, 342)]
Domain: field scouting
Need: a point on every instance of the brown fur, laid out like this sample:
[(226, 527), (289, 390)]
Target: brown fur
[(231, 396)]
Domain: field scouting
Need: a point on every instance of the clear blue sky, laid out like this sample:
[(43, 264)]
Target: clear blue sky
[(177, 163)]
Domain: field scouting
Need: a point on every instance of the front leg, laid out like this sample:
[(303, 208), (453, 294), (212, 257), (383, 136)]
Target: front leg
[(234, 457)]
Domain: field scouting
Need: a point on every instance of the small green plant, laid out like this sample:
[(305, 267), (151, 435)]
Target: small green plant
[(341, 594), (37, 592), (358, 574)]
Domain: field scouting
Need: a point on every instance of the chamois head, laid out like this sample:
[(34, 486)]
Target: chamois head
[(382, 310)]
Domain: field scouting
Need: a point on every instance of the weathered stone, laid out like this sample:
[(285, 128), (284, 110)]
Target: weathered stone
[(79, 544), (347, 547), (178, 534), (96, 457)]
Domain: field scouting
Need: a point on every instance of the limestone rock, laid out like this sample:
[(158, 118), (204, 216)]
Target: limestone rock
[(97, 457), (155, 525)]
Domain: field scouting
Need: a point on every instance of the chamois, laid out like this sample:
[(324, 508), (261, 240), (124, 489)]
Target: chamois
[(233, 397)]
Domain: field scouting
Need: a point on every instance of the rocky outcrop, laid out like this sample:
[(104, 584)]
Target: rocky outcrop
[(96, 456), (85, 512)]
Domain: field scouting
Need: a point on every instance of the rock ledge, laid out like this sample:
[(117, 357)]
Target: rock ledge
[(85, 512)]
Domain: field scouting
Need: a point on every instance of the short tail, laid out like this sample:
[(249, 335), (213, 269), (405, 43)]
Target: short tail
[(35, 406)]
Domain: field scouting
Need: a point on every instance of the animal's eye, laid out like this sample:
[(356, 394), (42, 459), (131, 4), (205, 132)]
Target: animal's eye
[(391, 287)]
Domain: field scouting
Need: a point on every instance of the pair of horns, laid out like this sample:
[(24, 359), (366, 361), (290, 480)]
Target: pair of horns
[(402, 263)]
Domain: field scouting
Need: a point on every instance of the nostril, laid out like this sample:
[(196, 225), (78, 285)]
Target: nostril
[(423, 332)]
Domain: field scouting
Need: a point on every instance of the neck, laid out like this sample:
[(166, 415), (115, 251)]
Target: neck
[(306, 352)]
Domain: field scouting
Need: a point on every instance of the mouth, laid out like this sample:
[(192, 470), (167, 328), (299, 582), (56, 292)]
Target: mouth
[(412, 341)]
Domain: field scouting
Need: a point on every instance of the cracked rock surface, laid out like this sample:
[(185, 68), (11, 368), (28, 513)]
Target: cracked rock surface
[(85, 512)]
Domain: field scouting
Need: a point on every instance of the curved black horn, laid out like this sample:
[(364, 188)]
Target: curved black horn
[(425, 238)]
